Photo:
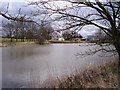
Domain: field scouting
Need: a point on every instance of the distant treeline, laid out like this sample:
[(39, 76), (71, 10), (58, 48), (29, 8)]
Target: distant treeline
[(26, 30)]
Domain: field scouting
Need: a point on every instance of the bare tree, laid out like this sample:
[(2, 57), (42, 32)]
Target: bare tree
[(69, 35), (104, 15), (9, 30), (31, 30), (16, 18), (44, 32)]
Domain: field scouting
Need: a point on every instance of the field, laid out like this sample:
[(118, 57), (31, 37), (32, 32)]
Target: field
[(4, 42)]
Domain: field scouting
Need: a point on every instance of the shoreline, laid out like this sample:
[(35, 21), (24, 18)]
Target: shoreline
[(8, 44), (57, 41), (15, 44)]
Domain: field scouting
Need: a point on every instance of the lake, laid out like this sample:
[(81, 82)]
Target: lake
[(32, 65)]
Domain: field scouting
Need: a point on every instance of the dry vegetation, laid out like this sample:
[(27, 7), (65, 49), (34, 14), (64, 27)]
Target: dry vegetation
[(100, 77)]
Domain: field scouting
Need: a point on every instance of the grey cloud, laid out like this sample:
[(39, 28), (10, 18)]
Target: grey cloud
[(15, 6)]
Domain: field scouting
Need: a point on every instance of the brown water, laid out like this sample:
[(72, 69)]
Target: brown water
[(31, 66)]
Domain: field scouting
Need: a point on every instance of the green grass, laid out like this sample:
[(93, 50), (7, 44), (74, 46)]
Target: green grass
[(4, 42), (8, 40)]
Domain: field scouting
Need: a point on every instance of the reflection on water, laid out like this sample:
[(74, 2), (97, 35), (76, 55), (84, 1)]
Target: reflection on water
[(24, 66)]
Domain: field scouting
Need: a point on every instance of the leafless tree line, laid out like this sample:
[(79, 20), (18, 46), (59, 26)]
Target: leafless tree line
[(26, 31)]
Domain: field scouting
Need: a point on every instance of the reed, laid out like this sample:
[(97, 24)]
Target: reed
[(102, 76)]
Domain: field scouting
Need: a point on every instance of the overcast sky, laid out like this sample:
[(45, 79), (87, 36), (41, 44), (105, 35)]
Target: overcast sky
[(15, 5)]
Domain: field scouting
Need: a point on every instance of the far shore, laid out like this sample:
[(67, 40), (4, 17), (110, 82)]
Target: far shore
[(7, 44), (15, 44)]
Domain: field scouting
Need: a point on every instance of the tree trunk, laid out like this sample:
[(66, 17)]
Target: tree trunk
[(16, 36), (11, 39), (23, 39), (119, 71), (16, 39)]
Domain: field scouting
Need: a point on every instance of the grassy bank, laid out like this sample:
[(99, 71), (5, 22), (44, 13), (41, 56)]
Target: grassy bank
[(5, 42), (8, 40), (57, 41), (15, 44), (100, 77)]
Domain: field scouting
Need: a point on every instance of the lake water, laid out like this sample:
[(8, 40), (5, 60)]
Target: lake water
[(31, 66)]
